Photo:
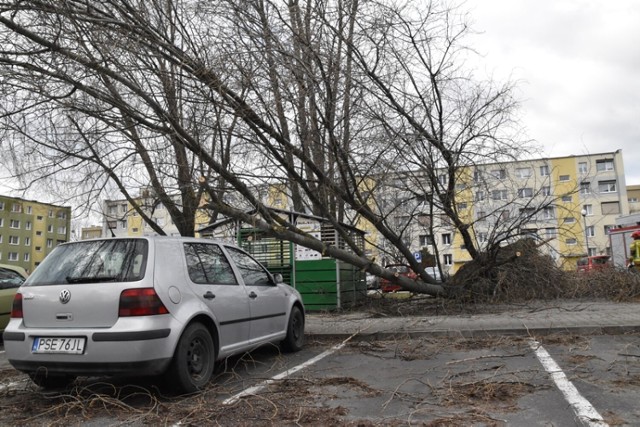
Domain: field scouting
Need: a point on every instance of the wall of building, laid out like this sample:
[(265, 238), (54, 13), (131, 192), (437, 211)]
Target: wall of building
[(30, 230)]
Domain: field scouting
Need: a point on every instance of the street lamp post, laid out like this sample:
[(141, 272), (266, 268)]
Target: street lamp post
[(586, 233)]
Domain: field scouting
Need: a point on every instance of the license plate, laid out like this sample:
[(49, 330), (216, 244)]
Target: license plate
[(58, 345)]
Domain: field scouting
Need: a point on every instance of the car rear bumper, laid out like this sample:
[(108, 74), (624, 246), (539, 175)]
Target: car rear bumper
[(133, 347), (142, 368)]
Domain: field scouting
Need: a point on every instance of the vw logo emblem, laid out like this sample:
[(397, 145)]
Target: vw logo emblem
[(65, 296)]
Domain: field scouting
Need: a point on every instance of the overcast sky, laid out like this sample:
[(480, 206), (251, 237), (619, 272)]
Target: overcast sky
[(578, 63)]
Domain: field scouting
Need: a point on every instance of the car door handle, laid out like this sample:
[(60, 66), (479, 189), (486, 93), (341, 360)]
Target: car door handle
[(253, 295), (209, 295)]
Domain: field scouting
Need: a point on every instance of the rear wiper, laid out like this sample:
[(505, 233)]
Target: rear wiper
[(91, 279)]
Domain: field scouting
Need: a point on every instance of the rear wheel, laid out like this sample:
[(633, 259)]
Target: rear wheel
[(45, 380), (294, 341), (193, 360)]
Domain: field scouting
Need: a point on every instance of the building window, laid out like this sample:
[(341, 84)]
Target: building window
[(27, 241), (610, 208), (29, 210), (481, 216), (27, 225), (447, 259), (585, 188), (545, 191), (50, 213), (608, 228), (1, 206), (607, 186), (123, 208), (504, 215), (38, 249), (571, 241), (604, 165), (477, 176), (39, 217), (49, 243), (588, 209), (567, 198), (62, 230), (123, 224), (499, 195), (527, 213), (49, 228), (544, 170), (14, 223), (479, 196), (525, 192), (443, 179), (0, 238), (499, 173), (134, 230), (482, 237), (549, 213), (113, 209), (446, 239), (62, 215), (13, 256), (564, 178), (633, 200), (16, 208), (569, 220), (550, 233), (1, 222), (38, 233), (523, 172), (591, 231), (582, 168), (14, 240), (462, 206), (26, 256), (425, 240)]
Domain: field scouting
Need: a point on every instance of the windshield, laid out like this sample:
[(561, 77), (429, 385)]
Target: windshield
[(118, 260)]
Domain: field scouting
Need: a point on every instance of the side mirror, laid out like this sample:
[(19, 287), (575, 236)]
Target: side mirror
[(278, 278)]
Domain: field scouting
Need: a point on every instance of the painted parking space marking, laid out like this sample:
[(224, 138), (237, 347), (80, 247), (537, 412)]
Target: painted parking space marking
[(257, 388), (585, 412)]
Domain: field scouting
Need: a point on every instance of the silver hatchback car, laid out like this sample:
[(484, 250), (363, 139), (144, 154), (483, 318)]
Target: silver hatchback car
[(167, 306)]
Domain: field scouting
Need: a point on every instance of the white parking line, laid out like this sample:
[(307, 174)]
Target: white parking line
[(255, 389), (585, 412)]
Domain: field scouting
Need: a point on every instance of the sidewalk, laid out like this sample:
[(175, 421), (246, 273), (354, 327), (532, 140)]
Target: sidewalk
[(537, 319)]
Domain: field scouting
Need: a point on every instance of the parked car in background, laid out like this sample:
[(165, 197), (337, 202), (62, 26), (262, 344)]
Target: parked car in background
[(398, 270), (11, 277), (405, 270), (597, 262), (167, 306)]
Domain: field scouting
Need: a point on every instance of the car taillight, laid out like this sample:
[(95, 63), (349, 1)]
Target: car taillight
[(140, 302), (16, 308)]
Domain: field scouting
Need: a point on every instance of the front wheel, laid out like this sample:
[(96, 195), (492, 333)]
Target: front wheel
[(193, 360), (294, 341)]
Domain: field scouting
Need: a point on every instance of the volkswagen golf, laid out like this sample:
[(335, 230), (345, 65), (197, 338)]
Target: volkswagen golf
[(167, 306)]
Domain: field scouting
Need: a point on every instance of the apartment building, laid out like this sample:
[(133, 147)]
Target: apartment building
[(567, 204), (29, 230), (120, 219)]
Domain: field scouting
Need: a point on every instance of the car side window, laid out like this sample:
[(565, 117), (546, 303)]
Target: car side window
[(251, 271), (207, 264)]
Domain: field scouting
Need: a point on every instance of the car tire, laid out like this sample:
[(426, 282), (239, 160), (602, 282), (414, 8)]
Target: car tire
[(51, 381), (294, 341), (193, 361)]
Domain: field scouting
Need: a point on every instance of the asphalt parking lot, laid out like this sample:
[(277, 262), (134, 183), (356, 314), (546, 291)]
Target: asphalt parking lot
[(488, 381)]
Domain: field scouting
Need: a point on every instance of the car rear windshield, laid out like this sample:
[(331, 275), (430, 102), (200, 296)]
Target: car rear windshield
[(118, 260)]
